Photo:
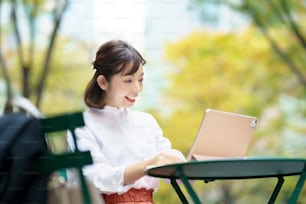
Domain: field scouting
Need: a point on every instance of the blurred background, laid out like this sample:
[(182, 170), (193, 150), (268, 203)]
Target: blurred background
[(241, 56)]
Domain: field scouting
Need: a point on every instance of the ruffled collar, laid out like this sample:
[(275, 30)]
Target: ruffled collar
[(114, 109), (111, 109)]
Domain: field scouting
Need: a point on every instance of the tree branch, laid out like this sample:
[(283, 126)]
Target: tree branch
[(9, 93), (31, 12), (3, 66), (16, 32), (275, 46), (293, 25), (286, 21), (277, 12), (58, 14), (23, 65)]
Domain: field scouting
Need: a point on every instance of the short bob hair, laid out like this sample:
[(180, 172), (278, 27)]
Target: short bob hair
[(112, 57)]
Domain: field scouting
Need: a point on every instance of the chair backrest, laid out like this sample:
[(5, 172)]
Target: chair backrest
[(77, 159)]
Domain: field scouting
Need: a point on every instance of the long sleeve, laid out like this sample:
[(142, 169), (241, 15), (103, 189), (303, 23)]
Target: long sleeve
[(117, 138), (107, 177), (163, 144)]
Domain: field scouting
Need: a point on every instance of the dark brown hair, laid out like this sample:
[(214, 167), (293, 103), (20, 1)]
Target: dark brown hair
[(112, 57)]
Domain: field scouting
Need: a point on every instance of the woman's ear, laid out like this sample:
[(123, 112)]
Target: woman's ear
[(102, 82)]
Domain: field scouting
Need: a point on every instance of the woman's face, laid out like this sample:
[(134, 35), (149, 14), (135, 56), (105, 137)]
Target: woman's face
[(123, 90)]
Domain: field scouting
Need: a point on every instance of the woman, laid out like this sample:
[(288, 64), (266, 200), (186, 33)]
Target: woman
[(123, 142)]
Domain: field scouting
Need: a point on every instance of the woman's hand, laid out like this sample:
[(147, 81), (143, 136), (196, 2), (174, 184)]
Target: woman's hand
[(164, 158), (136, 171)]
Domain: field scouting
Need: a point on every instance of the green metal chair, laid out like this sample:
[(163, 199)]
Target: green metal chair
[(60, 162)]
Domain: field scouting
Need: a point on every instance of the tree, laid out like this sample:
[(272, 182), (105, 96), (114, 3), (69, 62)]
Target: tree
[(286, 15), (226, 70), (24, 54), (229, 71), (282, 24)]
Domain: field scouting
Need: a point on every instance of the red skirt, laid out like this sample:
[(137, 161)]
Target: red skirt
[(132, 196)]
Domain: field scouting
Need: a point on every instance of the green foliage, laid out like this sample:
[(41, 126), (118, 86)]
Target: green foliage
[(69, 74), (22, 46), (225, 71), (235, 72), (70, 70), (283, 16)]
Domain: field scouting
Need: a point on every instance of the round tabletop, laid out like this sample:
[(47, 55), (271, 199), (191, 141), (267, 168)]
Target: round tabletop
[(231, 168)]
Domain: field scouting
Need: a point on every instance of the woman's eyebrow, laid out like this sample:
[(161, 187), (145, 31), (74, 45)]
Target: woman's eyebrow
[(142, 74)]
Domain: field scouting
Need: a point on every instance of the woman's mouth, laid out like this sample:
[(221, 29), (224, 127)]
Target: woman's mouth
[(131, 100)]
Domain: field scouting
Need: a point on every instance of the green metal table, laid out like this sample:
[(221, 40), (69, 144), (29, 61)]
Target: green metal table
[(246, 168)]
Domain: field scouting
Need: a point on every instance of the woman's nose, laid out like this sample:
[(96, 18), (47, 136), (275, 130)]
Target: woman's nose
[(137, 87)]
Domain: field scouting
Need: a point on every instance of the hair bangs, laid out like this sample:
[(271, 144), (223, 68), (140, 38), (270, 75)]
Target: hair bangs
[(131, 63)]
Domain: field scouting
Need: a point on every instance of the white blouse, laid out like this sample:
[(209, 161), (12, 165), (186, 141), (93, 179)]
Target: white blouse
[(116, 138)]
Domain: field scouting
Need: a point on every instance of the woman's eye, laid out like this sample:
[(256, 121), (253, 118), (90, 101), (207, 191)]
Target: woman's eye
[(128, 81)]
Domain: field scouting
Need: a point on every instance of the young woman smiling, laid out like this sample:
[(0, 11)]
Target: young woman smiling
[(122, 141)]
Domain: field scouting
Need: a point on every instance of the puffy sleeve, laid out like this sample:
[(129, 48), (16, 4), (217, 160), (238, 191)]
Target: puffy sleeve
[(107, 178), (163, 144)]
